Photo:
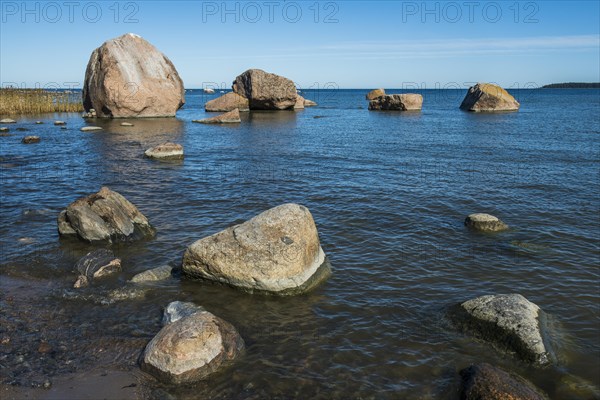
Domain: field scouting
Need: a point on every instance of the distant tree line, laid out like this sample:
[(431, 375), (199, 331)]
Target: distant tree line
[(573, 85)]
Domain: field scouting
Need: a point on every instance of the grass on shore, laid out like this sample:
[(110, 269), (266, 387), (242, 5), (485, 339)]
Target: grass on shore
[(33, 101)]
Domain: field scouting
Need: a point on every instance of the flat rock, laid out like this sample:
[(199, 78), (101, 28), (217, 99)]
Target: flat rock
[(373, 94), (309, 103), (7, 121), (127, 77), (485, 222), (167, 150), (231, 117), (96, 264), (266, 91), (228, 102), (30, 139), (154, 274), (276, 252), (191, 348), (104, 216), (179, 309), (397, 102), (484, 381), (487, 97), (90, 128), (59, 123), (508, 320)]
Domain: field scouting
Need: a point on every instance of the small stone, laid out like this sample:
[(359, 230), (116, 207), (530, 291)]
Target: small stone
[(39, 122), (30, 139), (44, 347), (7, 121), (172, 151), (5, 340), (4, 129), (126, 124), (90, 128), (485, 222), (60, 123), (47, 384), (155, 274)]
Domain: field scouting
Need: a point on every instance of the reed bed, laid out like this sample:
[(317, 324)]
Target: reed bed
[(33, 101)]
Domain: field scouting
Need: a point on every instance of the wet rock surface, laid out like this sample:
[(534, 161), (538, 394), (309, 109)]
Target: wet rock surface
[(96, 264), (484, 381)]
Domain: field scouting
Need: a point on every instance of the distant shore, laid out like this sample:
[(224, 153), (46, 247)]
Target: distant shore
[(573, 85)]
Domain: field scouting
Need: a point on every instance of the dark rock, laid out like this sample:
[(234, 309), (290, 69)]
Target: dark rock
[(96, 264), (486, 382)]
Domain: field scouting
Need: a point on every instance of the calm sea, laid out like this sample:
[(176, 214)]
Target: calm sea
[(389, 193)]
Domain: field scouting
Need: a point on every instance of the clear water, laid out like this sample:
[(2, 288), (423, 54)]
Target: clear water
[(389, 193)]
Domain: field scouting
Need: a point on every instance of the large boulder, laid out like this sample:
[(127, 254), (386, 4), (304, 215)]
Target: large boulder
[(266, 91), (276, 252), (103, 216), (510, 321), (397, 102), (228, 102), (484, 381), (487, 97), (373, 94), (191, 348), (128, 77)]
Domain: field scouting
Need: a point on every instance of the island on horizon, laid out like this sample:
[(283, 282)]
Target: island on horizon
[(573, 85)]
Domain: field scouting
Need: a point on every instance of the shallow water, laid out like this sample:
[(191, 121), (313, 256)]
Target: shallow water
[(389, 193)]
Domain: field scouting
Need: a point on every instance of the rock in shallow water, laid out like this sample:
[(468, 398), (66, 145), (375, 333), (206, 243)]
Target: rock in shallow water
[(266, 91), (228, 102), (96, 264), (486, 382), (90, 128), (104, 216), (191, 348), (487, 97), (7, 121), (485, 222), (397, 102), (509, 321), (231, 117), (127, 77), (171, 151), (373, 94), (30, 139), (152, 275), (179, 309), (276, 252)]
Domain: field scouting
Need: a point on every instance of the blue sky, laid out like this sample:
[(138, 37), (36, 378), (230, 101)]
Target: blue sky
[(349, 44)]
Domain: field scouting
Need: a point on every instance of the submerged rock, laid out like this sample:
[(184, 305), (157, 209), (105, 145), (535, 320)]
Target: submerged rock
[(30, 139), (155, 274), (508, 320), (96, 264), (58, 123), (166, 151), (266, 91), (373, 94), (127, 77), (484, 381), (179, 309), (276, 252), (103, 216), (191, 348), (4, 129), (39, 122), (397, 102), (231, 117), (487, 97), (228, 102), (126, 124), (90, 128), (485, 222)]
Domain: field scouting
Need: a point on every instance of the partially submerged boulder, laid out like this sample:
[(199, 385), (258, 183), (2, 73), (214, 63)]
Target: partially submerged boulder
[(170, 151), (397, 102), (373, 94), (266, 91), (276, 252), (508, 320), (485, 222), (7, 121), (191, 348), (103, 216), (30, 139), (90, 128), (228, 102), (231, 117), (127, 77), (153, 275), (484, 381), (96, 264), (179, 309), (487, 97)]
